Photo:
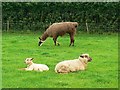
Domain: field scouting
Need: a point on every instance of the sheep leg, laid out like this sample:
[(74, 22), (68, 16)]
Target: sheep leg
[(21, 69), (71, 40), (63, 69)]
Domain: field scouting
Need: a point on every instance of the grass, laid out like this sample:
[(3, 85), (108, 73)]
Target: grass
[(102, 72)]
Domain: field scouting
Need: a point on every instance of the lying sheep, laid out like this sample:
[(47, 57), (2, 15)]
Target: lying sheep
[(59, 29), (73, 65), (33, 66)]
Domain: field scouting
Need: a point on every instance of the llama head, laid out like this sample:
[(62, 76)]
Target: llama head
[(40, 42)]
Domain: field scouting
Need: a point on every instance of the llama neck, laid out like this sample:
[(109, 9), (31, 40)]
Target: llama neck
[(44, 36)]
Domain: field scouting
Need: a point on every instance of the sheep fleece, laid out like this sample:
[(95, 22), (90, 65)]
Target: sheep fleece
[(37, 67), (69, 66)]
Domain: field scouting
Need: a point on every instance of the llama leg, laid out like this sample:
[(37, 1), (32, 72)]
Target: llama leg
[(58, 43), (71, 40), (55, 41)]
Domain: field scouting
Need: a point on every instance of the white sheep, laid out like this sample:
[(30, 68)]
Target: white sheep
[(73, 65), (33, 66)]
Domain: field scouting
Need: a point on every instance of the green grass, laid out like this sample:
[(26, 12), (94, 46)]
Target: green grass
[(102, 72)]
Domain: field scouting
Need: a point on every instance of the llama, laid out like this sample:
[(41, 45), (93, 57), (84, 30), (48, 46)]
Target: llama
[(59, 29)]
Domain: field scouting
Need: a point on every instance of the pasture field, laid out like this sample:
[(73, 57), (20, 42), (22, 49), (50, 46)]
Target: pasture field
[(102, 72)]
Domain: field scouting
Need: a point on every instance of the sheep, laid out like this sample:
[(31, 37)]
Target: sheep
[(59, 29), (73, 65), (33, 66)]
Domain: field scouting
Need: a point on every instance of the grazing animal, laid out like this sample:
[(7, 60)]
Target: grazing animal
[(73, 65), (33, 66), (59, 29)]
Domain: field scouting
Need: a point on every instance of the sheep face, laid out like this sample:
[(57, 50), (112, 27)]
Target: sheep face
[(28, 61), (85, 58)]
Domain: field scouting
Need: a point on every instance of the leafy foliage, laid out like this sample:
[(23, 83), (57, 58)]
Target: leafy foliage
[(39, 15)]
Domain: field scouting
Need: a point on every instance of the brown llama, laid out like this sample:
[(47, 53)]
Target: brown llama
[(59, 29)]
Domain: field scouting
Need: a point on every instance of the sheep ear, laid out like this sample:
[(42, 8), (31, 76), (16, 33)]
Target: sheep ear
[(82, 56), (32, 58)]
